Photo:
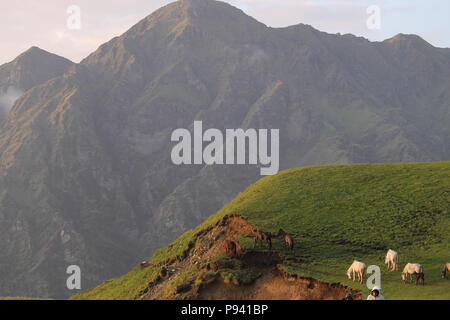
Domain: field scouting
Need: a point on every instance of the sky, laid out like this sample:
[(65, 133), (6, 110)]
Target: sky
[(44, 23)]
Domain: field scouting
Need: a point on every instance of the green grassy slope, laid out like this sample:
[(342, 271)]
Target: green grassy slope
[(19, 298), (337, 214)]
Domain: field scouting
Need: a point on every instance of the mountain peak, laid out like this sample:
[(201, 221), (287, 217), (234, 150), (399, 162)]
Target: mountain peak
[(191, 21), (35, 49), (38, 53), (408, 39), (199, 2), (207, 14), (32, 67)]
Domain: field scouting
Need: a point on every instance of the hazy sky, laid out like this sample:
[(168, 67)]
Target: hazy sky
[(43, 23)]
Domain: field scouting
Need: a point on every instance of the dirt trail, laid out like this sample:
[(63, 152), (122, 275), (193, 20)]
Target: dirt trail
[(272, 285)]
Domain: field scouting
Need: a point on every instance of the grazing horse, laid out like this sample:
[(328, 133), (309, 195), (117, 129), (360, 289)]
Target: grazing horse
[(231, 248), (445, 271), (420, 277), (358, 268), (391, 260), (415, 269), (288, 239), (239, 248), (263, 237)]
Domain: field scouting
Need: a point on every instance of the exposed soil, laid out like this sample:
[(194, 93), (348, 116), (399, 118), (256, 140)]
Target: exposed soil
[(272, 285)]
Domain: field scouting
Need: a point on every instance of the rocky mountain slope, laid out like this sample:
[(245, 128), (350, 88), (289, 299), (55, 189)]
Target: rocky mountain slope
[(85, 171), (33, 67)]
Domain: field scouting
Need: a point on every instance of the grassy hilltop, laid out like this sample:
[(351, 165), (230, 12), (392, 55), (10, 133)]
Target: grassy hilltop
[(336, 214)]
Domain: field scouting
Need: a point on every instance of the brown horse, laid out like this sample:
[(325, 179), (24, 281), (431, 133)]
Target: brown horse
[(288, 239), (231, 248), (263, 237), (239, 248)]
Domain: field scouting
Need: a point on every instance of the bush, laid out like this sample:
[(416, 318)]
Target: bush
[(239, 277), (222, 262)]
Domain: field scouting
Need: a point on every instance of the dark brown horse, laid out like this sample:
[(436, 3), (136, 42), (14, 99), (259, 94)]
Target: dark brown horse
[(445, 271), (262, 237), (231, 248), (420, 277)]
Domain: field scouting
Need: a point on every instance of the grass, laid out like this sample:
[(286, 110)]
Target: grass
[(128, 286), (338, 214), (222, 262), (20, 298), (239, 277)]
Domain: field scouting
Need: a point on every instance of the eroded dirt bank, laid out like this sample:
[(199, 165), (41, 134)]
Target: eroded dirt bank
[(271, 283)]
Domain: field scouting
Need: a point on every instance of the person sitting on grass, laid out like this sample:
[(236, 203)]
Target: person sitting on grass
[(348, 296), (375, 294)]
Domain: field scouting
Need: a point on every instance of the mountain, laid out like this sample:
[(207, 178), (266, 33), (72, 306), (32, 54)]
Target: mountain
[(336, 214), (86, 176), (33, 67)]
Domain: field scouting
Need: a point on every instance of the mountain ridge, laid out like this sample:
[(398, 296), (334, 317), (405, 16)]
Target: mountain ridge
[(32, 67)]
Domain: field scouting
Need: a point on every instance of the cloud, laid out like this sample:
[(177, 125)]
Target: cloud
[(8, 98)]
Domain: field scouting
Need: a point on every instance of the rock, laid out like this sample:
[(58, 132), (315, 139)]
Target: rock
[(184, 287)]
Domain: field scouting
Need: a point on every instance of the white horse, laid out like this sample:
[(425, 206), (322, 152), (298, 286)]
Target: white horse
[(358, 268), (413, 269), (391, 260)]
